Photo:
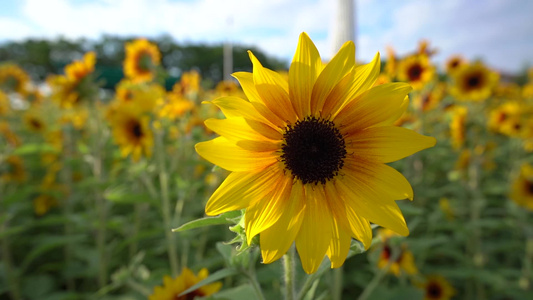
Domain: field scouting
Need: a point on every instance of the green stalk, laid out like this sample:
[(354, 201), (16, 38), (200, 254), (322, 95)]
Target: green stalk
[(100, 203), (12, 275), (337, 284), (288, 273), (165, 203), (67, 205)]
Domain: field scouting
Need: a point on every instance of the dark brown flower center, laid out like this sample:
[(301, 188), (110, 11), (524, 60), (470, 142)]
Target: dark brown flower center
[(529, 186), (415, 72), (135, 129), (474, 81), (313, 150), (434, 290), (36, 124)]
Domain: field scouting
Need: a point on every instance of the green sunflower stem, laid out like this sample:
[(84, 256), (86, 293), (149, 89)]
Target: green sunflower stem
[(12, 275), (165, 203), (68, 209), (288, 270)]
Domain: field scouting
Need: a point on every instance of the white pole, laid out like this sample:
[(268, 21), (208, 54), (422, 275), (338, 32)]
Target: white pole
[(344, 29)]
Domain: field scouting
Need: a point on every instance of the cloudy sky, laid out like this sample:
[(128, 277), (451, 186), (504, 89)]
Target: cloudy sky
[(498, 31)]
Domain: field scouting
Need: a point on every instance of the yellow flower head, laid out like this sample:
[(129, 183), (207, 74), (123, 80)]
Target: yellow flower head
[(430, 99), (189, 85), (308, 155), (473, 82), (437, 287), (13, 78), (5, 106), (12, 169), (174, 107), (403, 261), (78, 70), (131, 131), (142, 95), (522, 189), (417, 70), (34, 121), (142, 57), (173, 287), (7, 134), (454, 63), (503, 114), (458, 126)]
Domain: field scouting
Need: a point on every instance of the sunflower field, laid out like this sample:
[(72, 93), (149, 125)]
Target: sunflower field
[(280, 184)]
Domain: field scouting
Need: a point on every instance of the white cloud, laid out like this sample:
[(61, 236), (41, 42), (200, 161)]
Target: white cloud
[(498, 30)]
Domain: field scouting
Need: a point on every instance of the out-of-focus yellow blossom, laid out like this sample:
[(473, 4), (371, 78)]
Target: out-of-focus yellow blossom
[(10, 137), (446, 208), (189, 85), (13, 78), (473, 82), (458, 126), (403, 261), (12, 169), (174, 106), (417, 70), (502, 114), (34, 121), (436, 287), (131, 131), (142, 59), (70, 89), (391, 65), (522, 188), (454, 63), (173, 287), (5, 106), (429, 100)]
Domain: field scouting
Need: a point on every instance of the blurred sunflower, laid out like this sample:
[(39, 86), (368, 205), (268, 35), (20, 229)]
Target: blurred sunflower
[(522, 188), (13, 78), (458, 126), (417, 70), (308, 155), (502, 114), (437, 287), (391, 65), (9, 136), (430, 99), (34, 121), (473, 82), (173, 287), (5, 106), (189, 85), (131, 131), (12, 169), (70, 89), (142, 58), (174, 106), (453, 63), (403, 261)]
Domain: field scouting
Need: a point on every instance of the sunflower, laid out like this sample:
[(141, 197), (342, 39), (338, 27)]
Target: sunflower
[(70, 89), (5, 106), (12, 169), (174, 106), (13, 78), (173, 287), (8, 135), (453, 63), (142, 57), (458, 126), (522, 189), (437, 287), (504, 113), (189, 85), (416, 70), (473, 82), (131, 131), (307, 156), (401, 262), (430, 99), (34, 121), (143, 95)]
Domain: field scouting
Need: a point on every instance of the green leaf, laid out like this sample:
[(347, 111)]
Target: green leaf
[(210, 279), (34, 148), (224, 218), (242, 292)]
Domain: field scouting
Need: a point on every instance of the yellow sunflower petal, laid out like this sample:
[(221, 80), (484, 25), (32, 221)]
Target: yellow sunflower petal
[(339, 245), (246, 80), (358, 81), (266, 211), (220, 151), (360, 227), (276, 240), (234, 129), (377, 105), (238, 189), (339, 66), (365, 199), (388, 143), (314, 237), (303, 72), (390, 182), (237, 107), (270, 86)]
